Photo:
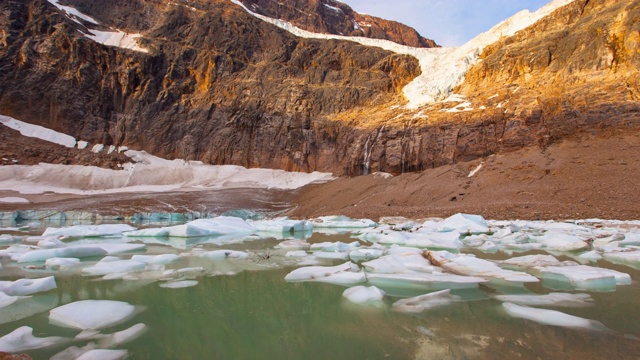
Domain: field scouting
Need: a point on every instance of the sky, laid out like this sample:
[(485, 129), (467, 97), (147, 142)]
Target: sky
[(448, 22)]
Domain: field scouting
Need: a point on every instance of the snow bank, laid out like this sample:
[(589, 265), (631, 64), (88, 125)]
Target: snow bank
[(39, 132), (148, 174)]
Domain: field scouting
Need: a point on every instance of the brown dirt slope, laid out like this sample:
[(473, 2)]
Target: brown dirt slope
[(592, 177)]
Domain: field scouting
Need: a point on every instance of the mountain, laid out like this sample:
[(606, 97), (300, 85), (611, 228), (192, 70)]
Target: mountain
[(261, 85)]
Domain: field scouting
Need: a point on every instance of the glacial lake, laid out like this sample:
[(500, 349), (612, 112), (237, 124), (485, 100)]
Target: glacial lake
[(244, 309)]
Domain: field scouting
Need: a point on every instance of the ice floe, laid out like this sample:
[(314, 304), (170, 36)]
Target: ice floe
[(23, 287), (345, 274), (22, 339), (418, 304), (364, 295), (551, 299), (341, 222), (6, 300), (552, 317), (222, 225), (471, 266), (89, 230), (224, 254), (179, 284), (91, 314), (113, 267)]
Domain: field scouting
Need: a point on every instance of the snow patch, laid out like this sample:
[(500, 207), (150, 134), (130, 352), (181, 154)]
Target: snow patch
[(39, 132)]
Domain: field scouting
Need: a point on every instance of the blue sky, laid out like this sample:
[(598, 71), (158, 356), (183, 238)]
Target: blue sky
[(448, 22)]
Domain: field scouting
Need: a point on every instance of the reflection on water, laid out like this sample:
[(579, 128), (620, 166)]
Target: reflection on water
[(257, 315)]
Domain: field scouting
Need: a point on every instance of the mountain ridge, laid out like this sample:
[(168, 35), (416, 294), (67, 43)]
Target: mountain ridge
[(326, 108)]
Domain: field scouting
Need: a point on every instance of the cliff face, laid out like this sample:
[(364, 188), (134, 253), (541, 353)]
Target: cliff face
[(221, 86), (336, 17), (218, 85)]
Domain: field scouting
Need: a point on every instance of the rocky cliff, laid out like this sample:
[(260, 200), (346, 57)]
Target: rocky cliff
[(336, 17), (221, 86)]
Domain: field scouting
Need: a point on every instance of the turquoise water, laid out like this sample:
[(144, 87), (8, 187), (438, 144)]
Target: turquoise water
[(255, 314)]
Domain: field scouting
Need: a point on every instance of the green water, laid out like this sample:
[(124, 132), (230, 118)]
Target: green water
[(255, 314)]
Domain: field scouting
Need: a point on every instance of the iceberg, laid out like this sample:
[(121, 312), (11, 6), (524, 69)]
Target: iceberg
[(551, 299), (22, 339), (630, 258), (62, 262), (364, 295), (463, 224), (6, 300), (66, 252), (112, 267), (335, 246), (341, 222), (418, 304), (293, 245), (552, 317), (471, 266), (89, 230), (282, 225), (103, 354), (222, 225), (28, 286), (345, 274), (424, 281), (179, 284), (163, 259), (365, 254), (91, 314), (401, 263), (584, 277)]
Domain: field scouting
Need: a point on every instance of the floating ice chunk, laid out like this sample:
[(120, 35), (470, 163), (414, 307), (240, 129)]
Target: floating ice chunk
[(365, 254), (103, 354), (425, 281), (22, 339), (293, 244), (534, 261), (448, 240), (402, 263), (395, 249), (117, 248), (331, 255), (156, 259), (88, 230), (584, 277), (51, 242), (364, 295), (418, 304), (341, 222), (112, 267), (6, 300), (345, 274), (66, 252), (335, 246), (590, 256), (552, 317), (28, 286), (179, 284), (124, 336), (282, 225), (464, 224), (551, 299), (62, 262), (472, 266), (224, 254), (28, 307), (561, 241), (222, 225), (91, 314), (631, 258)]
